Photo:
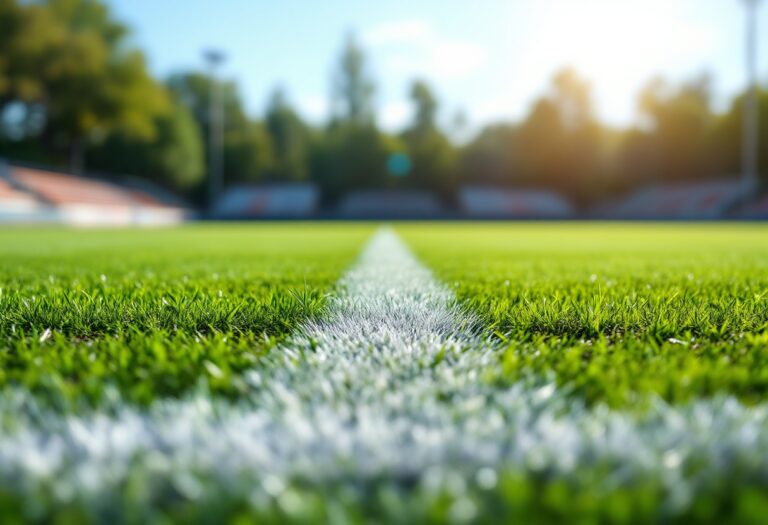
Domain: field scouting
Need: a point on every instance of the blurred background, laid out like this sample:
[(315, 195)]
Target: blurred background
[(142, 112)]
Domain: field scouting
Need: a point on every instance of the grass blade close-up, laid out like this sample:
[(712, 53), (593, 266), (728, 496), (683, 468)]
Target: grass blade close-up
[(539, 373), (152, 313)]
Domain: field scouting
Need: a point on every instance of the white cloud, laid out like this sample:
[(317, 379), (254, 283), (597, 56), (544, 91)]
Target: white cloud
[(412, 47), (315, 108), (500, 107), (394, 116)]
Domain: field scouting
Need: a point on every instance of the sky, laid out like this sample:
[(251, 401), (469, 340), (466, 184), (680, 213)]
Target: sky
[(488, 59)]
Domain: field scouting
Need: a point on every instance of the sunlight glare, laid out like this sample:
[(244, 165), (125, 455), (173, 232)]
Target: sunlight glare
[(618, 46)]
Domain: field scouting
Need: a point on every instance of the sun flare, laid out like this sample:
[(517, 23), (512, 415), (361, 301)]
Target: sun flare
[(618, 46)]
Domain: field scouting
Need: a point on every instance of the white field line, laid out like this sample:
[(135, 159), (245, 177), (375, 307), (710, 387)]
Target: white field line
[(390, 386)]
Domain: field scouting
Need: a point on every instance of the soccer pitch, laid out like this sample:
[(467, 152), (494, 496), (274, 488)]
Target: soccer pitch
[(411, 373)]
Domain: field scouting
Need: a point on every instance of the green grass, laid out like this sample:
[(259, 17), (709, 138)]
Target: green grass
[(616, 312), (155, 312)]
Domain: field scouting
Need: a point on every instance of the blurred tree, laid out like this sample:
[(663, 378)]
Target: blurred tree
[(425, 108), (248, 153), (559, 142), (352, 101), (726, 143), (543, 144), (674, 141), (68, 61), (174, 158), (290, 139), (492, 158), (351, 153), (434, 159), (247, 146), (193, 90), (25, 30), (572, 96), (350, 157)]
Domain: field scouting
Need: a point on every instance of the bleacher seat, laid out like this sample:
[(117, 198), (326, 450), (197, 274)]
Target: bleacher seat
[(704, 200), (60, 189), (386, 204), (755, 209), (267, 201), (487, 202), (35, 195)]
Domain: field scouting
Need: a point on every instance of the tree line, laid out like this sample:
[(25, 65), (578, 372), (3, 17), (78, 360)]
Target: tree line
[(75, 93)]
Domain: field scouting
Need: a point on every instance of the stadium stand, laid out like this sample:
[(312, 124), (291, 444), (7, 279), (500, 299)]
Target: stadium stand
[(14, 203), (284, 201), (42, 196), (389, 204), (705, 200), (756, 209), (498, 203)]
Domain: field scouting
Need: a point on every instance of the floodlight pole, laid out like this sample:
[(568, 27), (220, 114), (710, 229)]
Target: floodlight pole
[(214, 59), (750, 133)]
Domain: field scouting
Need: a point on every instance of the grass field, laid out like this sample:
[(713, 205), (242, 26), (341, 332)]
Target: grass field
[(617, 312), (261, 373), (154, 312)]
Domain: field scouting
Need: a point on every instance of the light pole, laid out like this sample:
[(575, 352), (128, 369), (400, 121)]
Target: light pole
[(751, 122), (215, 58)]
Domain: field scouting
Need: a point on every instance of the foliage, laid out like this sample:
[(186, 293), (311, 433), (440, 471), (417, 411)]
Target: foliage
[(67, 60), (353, 90), (351, 156), (247, 147), (174, 157), (726, 143), (491, 159), (351, 153), (676, 141), (558, 144), (433, 158), (290, 139)]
